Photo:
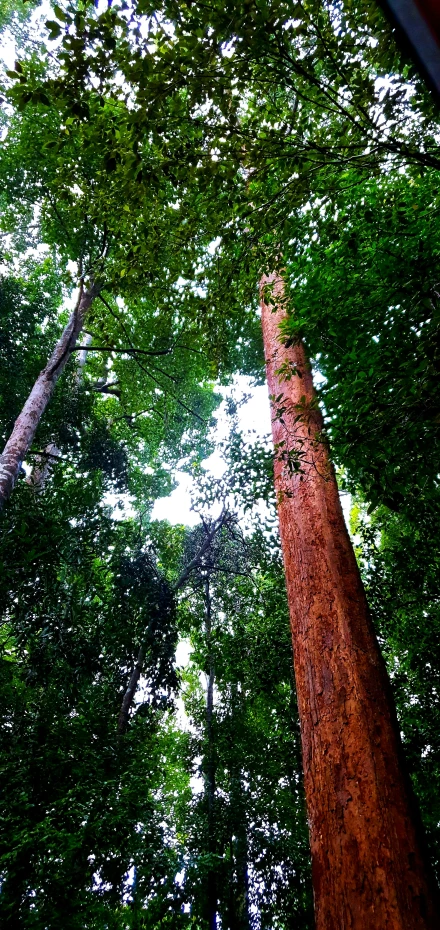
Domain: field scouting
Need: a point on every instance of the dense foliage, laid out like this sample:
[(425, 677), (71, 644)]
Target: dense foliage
[(171, 153)]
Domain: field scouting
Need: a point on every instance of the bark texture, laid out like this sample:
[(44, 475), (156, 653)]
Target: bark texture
[(26, 424), (368, 863)]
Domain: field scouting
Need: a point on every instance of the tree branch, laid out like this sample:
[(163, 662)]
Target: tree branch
[(195, 562), (123, 351)]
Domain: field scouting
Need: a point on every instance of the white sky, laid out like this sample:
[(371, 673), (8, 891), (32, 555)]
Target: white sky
[(253, 421), (8, 49)]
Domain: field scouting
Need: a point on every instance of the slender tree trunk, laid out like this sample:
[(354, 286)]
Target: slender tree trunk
[(129, 694), (367, 859), (45, 461), (43, 467), (210, 766), (135, 903), (240, 917), (26, 424), (82, 358), (241, 857)]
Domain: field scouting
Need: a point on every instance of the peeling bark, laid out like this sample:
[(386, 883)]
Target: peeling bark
[(27, 422), (368, 863)]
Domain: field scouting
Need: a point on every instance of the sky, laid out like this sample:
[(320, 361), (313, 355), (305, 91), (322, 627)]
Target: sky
[(253, 420)]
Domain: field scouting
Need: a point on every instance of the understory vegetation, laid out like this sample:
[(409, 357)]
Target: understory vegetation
[(160, 158)]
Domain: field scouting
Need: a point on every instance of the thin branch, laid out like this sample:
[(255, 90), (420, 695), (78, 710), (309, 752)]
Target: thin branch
[(195, 562), (123, 351), (46, 454)]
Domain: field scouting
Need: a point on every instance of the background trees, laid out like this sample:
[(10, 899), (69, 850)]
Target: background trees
[(170, 154)]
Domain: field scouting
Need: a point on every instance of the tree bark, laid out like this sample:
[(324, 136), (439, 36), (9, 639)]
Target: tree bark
[(26, 424), (367, 850)]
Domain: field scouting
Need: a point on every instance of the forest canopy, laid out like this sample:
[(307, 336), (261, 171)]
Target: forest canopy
[(156, 161)]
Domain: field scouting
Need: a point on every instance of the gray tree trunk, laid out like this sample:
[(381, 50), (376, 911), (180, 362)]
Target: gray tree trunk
[(42, 469), (27, 422)]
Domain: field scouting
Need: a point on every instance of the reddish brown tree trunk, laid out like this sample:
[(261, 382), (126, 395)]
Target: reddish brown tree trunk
[(368, 868), (26, 424)]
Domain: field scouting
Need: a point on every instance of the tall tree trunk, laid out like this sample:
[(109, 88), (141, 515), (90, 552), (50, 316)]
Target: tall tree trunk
[(45, 461), (367, 860), (241, 857), (210, 766), (240, 917), (26, 424)]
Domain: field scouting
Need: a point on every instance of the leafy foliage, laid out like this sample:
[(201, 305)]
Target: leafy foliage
[(172, 152)]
